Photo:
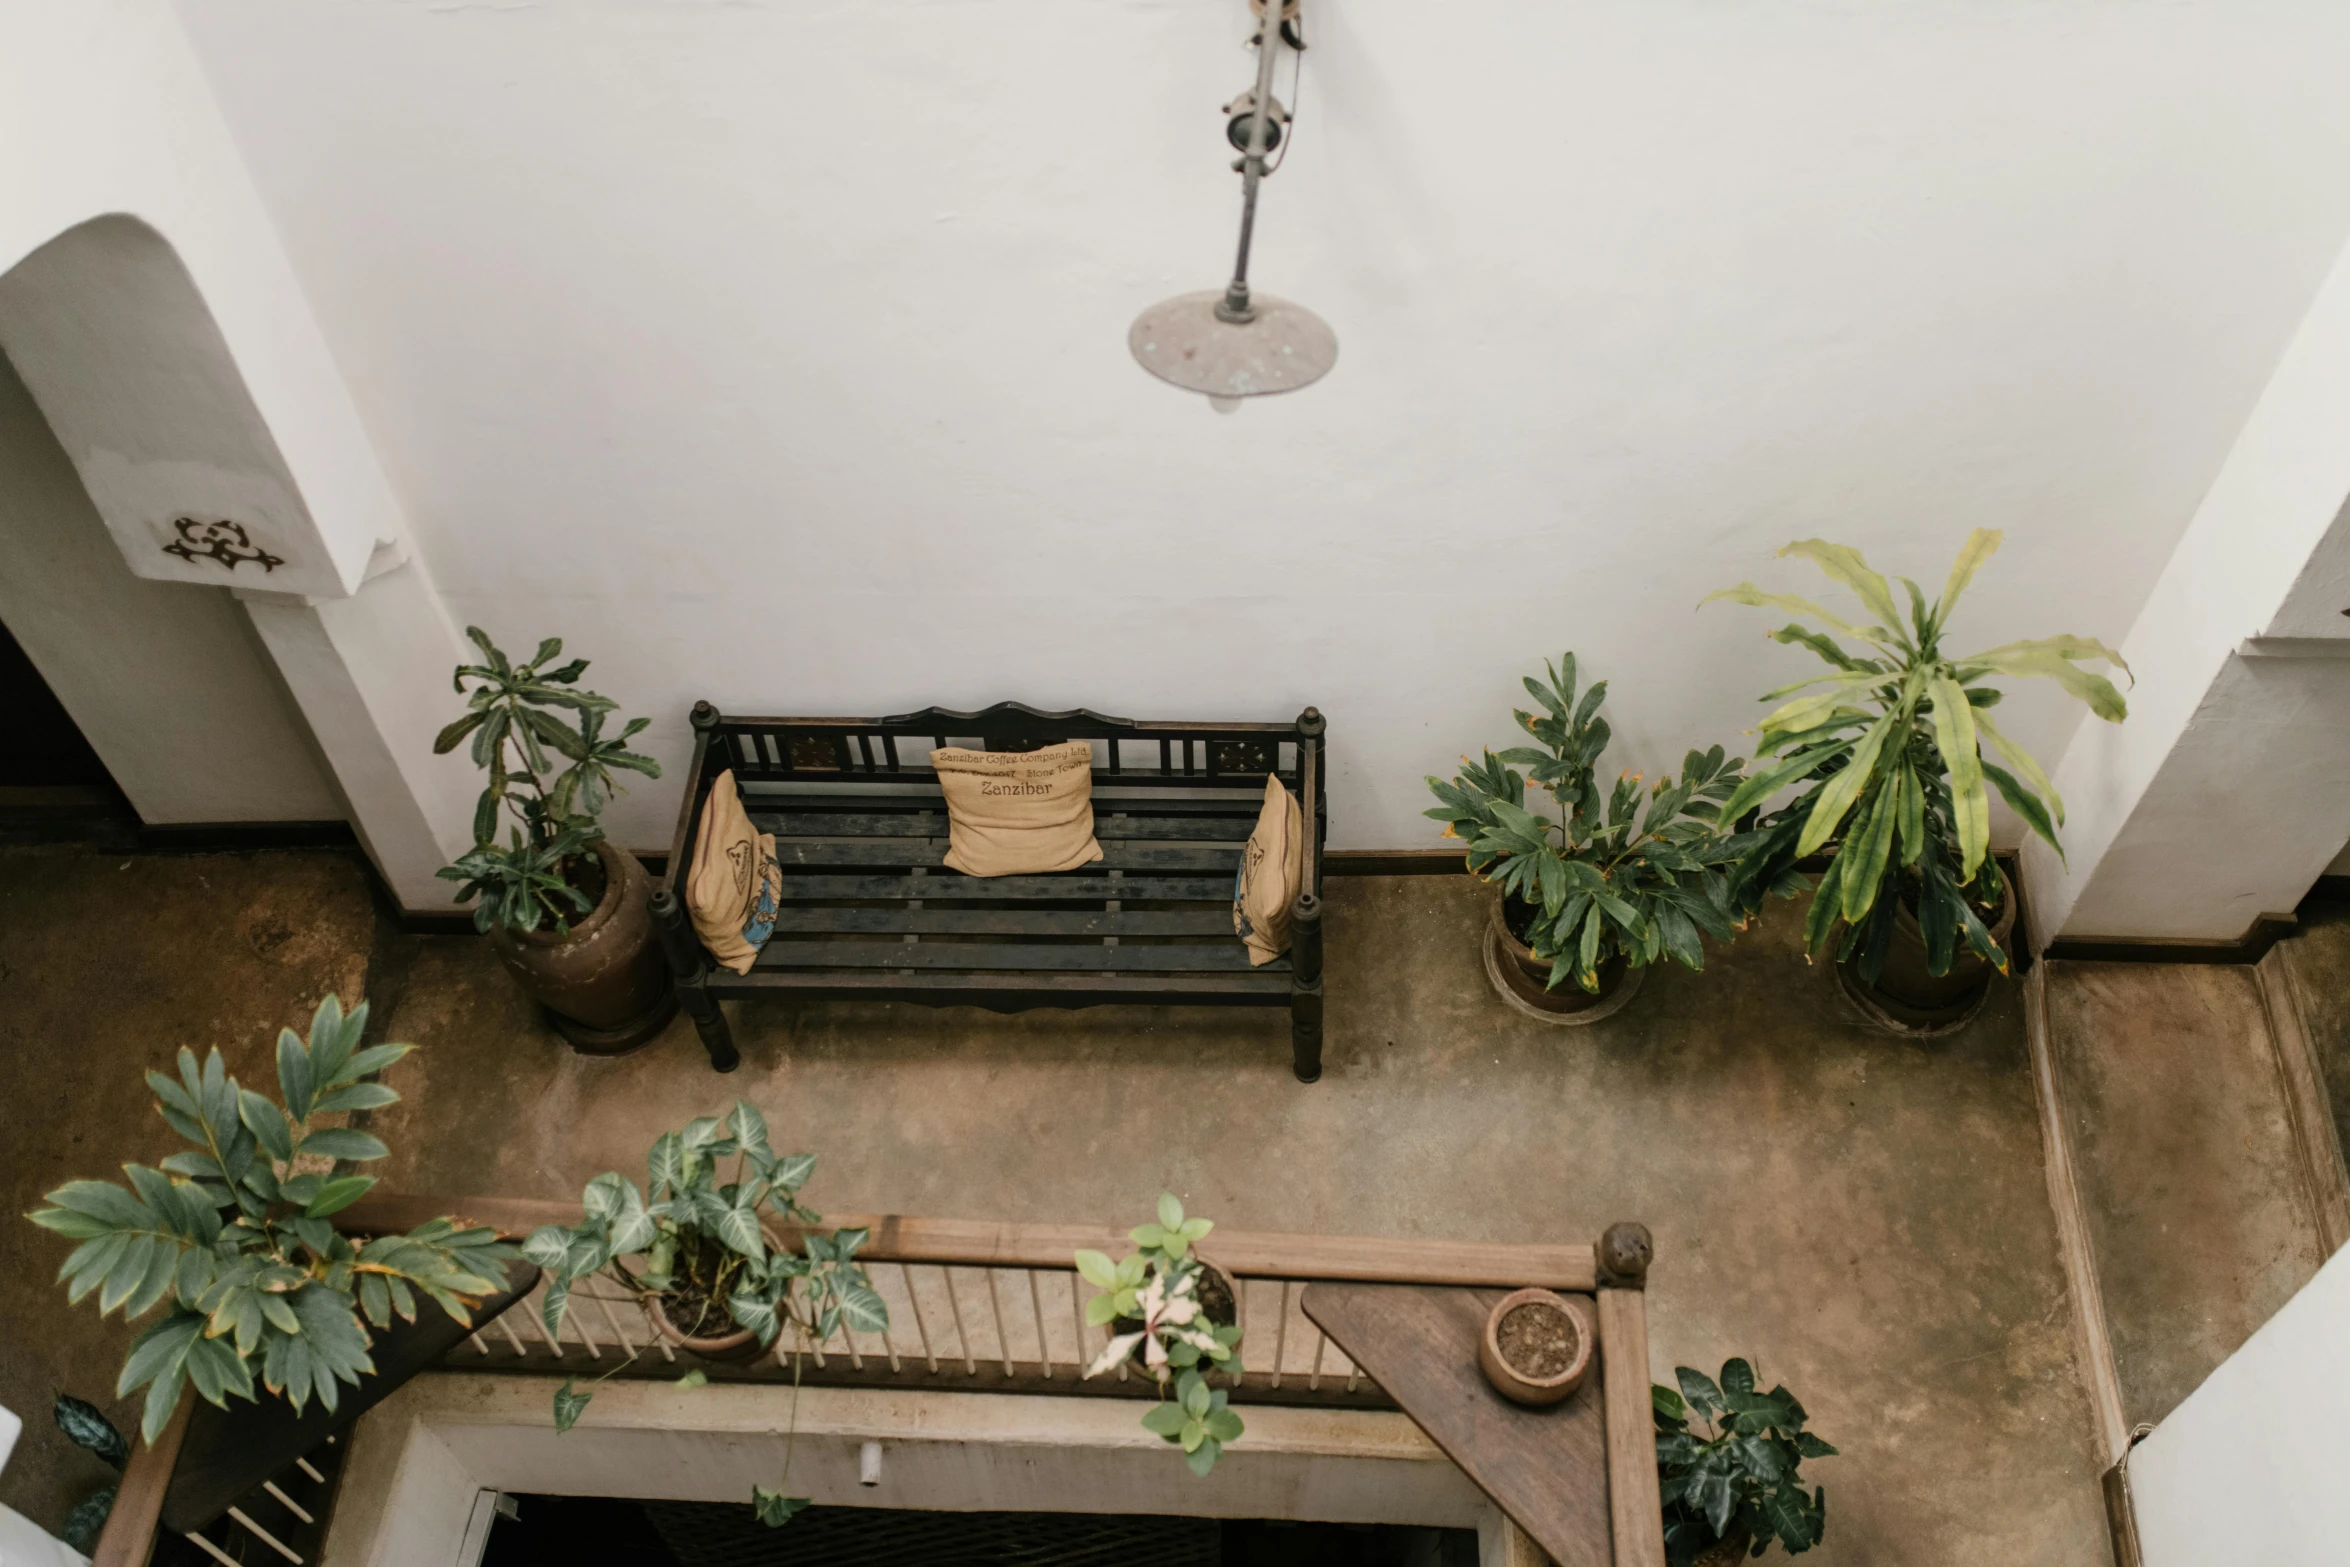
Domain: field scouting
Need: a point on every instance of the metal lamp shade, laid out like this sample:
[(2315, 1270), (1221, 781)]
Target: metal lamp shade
[(1184, 342)]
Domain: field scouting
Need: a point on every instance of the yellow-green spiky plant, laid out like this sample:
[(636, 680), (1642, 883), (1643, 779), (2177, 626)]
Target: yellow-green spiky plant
[(1887, 749)]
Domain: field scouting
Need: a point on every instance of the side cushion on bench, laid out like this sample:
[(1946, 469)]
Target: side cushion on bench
[(1018, 813), (1272, 872), (735, 884)]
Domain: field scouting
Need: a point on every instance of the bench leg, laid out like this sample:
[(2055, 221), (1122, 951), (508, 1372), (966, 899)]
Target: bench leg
[(1305, 988), (691, 970)]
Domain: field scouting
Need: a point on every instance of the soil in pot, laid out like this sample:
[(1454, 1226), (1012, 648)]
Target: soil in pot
[(604, 984), (1538, 1340), (693, 1312), (1535, 1347)]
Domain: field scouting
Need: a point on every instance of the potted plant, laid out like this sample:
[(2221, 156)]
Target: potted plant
[(258, 1290), (1177, 1316), (1623, 877), (566, 908), (1536, 1347), (694, 1253), (1731, 1485), (1889, 753)]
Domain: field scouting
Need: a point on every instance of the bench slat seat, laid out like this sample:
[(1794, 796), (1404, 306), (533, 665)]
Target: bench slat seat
[(870, 910)]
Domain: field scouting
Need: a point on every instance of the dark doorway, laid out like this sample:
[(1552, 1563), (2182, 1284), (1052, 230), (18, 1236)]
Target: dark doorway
[(582, 1531), (45, 750)]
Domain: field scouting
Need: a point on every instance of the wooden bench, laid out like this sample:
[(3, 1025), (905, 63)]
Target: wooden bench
[(870, 911)]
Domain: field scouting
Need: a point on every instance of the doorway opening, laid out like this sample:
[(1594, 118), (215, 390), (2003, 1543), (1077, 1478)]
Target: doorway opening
[(52, 781), (590, 1531)]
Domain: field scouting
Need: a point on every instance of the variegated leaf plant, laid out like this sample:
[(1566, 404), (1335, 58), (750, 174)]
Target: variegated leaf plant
[(1889, 752), (232, 1237), (1156, 1289), (686, 1224)]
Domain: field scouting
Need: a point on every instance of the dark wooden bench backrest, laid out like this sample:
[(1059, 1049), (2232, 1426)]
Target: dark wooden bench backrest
[(885, 757)]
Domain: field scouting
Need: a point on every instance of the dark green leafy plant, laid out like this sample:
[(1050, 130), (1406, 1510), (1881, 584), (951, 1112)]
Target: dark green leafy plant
[(521, 718), (1608, 877), (235, 1244), (1734, 1477), (87, 1427), (1888, 752), (1156, 1288), (693, 1237)]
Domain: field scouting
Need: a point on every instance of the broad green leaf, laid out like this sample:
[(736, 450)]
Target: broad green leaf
[(1748, 593), (1846, 565), (1839, 794), (336, 1195), (1978, 548), (2023, 763), (774, 1509), (570, 1403), (2025, 804), (1869, 849), (1970, 804)]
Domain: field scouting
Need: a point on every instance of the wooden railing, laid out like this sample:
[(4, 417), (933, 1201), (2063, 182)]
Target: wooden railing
[(998, 1307)]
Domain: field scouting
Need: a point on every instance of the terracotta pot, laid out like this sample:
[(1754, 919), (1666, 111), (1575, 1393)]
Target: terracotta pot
[(1914, 1001), (738, 1346), (1523, 980), (1517, 1386), (605, 985)]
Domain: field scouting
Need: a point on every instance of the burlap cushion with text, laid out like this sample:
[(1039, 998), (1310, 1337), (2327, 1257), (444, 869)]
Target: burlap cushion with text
[(1018, 813), (735, 884), (1272, 873)]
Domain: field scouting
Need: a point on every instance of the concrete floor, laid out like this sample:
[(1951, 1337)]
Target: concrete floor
[(1866, 1219)]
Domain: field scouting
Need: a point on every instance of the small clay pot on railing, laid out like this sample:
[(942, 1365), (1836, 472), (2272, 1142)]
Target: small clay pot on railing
[(1536, 1347)]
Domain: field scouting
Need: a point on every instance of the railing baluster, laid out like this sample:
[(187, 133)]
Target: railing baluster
[(1044, 1353), (287, 1502), (995, 1307), (1321, 1342), (265, 1537), (1077, 1320), (1281, 1333), (303, 1464), (506, 1326), (962, 1333), (921, 1329), (619, 1333), (211, 1550)]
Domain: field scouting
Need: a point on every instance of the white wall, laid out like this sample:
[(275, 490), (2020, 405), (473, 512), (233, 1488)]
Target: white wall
[(2250, 1467), (774, 352), (166, 681)]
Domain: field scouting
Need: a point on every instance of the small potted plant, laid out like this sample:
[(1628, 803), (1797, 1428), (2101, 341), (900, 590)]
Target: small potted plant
[(566, 907), (1889, 753), (1536, 1347), (231, 1239), (1177, 1316), (1623, 877), (1731, 1485), (693, 1251)]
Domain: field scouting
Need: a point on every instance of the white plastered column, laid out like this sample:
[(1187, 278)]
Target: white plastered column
[(2227, 791), (153, 315)]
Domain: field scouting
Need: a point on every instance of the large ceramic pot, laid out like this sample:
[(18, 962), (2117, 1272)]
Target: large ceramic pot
[(604, 985), (1906, 998), (1523, 980)]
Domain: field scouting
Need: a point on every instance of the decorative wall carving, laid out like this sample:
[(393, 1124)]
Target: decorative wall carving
[(223, 541)]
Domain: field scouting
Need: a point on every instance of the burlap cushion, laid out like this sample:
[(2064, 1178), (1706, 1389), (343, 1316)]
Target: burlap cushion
[(1272, 873), (1018, 813), (735, 884)]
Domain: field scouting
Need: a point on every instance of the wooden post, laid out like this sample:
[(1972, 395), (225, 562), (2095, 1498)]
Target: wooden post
[(1635, 1506), (689, 970), (1305, 987), (1305, 938), (129, 1535)]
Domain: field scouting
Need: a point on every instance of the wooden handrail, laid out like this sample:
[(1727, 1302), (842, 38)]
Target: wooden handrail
[(981, 1243), (129, 1535)]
